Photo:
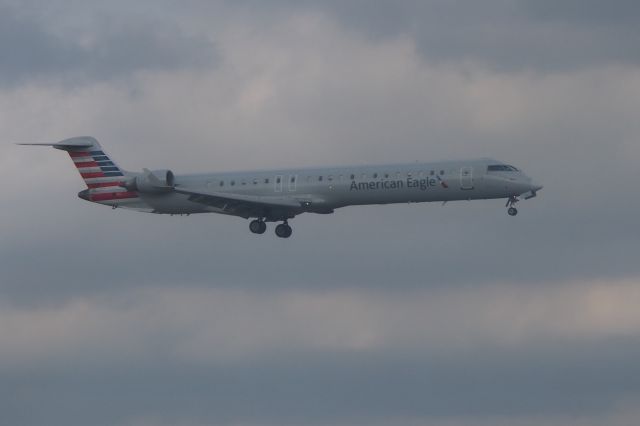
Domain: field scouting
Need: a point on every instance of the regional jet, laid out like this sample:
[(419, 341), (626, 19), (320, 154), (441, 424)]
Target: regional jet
[(281, 195)]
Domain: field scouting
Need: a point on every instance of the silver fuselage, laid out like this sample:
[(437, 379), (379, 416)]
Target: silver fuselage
[(321, 190)]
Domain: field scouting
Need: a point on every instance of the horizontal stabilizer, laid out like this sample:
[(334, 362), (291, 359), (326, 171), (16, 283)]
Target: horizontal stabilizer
[(70, 144)]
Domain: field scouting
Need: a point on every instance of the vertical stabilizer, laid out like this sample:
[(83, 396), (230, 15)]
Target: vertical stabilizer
[(103, 177)]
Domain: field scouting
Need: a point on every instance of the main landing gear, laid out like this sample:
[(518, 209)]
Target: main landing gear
[(258, 226), (511, 202), (284, 230)]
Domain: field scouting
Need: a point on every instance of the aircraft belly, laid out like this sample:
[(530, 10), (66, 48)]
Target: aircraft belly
[(173, 204)]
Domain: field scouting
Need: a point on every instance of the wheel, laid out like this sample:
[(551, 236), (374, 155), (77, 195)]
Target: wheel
[(257, 227), (512, 211), (283, 230)]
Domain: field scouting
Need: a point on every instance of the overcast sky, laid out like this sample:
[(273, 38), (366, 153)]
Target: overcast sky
[(405, 315)]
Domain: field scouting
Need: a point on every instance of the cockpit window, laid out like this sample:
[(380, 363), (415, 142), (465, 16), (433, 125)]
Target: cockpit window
[(501, 168)]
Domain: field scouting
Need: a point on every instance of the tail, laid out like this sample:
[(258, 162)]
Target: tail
[(103, 177)]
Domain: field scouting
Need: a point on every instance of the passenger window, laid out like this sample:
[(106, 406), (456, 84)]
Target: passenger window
[(353, 177), (255, 181), (409, 174), (319, 178), (431, 173), (441, 172), (293, 179), (221, 183), (233, 182), (386, 175), (330, 178), (266, 180), (375, 175), (278, 180)]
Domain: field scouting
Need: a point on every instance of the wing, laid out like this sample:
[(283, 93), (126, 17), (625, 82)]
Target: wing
[(270, 207)]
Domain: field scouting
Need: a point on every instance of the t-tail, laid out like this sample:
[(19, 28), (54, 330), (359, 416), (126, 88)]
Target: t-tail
[(104, 178)]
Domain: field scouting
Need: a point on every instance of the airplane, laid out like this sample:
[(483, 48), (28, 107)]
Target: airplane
[(281, 195)]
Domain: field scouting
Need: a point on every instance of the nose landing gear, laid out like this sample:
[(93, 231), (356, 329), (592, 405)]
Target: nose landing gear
[(511, 202)]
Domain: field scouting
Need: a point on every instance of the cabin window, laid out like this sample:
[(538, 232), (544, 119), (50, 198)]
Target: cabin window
[(431, 173), (386, 175), (441, 172), (233, 182), (409, 174), (330, 177), (255, 181), (244, 183), (266, 180), (221, 183), (375, 175), (353, 177), (319, 178), (278, 180), (293, 179)]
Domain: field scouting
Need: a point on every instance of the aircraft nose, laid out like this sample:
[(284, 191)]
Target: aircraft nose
[(535, 186)]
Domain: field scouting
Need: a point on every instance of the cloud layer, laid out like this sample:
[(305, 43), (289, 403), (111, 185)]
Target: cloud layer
[(455, 315)]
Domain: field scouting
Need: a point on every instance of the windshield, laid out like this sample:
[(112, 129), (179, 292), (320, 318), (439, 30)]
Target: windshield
[(501, 168)]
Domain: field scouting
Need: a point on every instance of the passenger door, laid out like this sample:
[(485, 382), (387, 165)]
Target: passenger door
[(466, 178)]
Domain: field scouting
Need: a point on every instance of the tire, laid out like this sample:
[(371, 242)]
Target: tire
[(257, 226), (283, 231)]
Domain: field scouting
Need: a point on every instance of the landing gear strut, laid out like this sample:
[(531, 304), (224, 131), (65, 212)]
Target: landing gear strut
[(257, 226), (284, 230), (511, 202)]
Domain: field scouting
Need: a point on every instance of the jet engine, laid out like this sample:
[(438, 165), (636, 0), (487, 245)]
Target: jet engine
[(152, 182)]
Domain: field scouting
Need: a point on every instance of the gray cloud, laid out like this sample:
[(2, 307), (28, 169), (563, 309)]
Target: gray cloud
[(268, 357), (504, 35), (31, 51), (615, 13), (322, 388)]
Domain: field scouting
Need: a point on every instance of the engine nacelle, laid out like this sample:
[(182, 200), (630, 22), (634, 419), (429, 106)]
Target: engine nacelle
[(152, 182)]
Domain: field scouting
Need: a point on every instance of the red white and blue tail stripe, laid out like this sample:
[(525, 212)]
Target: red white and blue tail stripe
[(103, 177)]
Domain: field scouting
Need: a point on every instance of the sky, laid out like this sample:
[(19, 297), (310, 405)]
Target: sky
[(421, 314)]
